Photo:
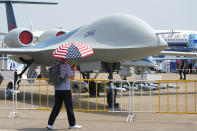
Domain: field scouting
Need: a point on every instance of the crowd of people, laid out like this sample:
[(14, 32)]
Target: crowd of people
[(185, 67)]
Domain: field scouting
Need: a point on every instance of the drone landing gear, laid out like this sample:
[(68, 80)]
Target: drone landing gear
[(112, 92), (17, 77)]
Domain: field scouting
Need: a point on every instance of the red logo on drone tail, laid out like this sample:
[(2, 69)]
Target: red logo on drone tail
[(11, 26)]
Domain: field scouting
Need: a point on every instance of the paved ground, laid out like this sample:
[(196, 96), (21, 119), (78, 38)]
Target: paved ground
[(36, 120)]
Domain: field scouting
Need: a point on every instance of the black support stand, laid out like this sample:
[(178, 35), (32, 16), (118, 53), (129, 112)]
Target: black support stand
[(111, 92)]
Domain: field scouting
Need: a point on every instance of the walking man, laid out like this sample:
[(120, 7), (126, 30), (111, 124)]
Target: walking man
[(63, 94)]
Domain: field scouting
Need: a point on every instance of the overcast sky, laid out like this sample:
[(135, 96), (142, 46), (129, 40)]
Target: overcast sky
[(70, 14)]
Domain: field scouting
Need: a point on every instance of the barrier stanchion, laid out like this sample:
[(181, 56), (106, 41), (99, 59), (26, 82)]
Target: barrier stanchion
[(32, 102), (24, 91), (14, 113), (159, 96), (80, 95), (195, 93), (96, 96), (40, 93), (168, 97), (131, 115), (177, 98), (88, 94), (48, 95), (104, 95), (185, 96)]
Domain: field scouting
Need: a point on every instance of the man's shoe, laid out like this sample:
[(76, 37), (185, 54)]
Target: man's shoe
[(50, 127), (75, 127)]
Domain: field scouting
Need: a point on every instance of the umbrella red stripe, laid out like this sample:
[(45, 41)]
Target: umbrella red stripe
[(63, 48), (58, 56), (87, 54), (86, 51), (83, 49), (90, 51), (61, 51)]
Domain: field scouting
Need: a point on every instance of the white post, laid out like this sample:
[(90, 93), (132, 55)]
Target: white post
[(14, 113), (150, 98), (131, 117), (31, 97), (24, 91)]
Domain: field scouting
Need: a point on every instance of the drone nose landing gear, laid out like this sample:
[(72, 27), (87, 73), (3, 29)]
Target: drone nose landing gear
[(17, 77), (111, 93)]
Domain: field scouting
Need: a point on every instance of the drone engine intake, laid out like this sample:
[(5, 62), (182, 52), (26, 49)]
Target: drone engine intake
[(50, 34), (18, 38)]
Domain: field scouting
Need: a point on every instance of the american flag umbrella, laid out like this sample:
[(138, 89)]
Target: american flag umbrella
[(72, 50)]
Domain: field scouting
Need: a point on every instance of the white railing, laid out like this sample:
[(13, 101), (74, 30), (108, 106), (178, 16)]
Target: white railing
[(142, 96), (7, 104), (7, 95)]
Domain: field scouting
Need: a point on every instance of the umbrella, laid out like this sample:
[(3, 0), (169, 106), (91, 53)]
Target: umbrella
[(72, 50)]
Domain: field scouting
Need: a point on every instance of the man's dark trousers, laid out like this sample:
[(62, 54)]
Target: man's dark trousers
[(60, 96)]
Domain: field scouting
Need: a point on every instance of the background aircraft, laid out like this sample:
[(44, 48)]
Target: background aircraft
[(181, 40)]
